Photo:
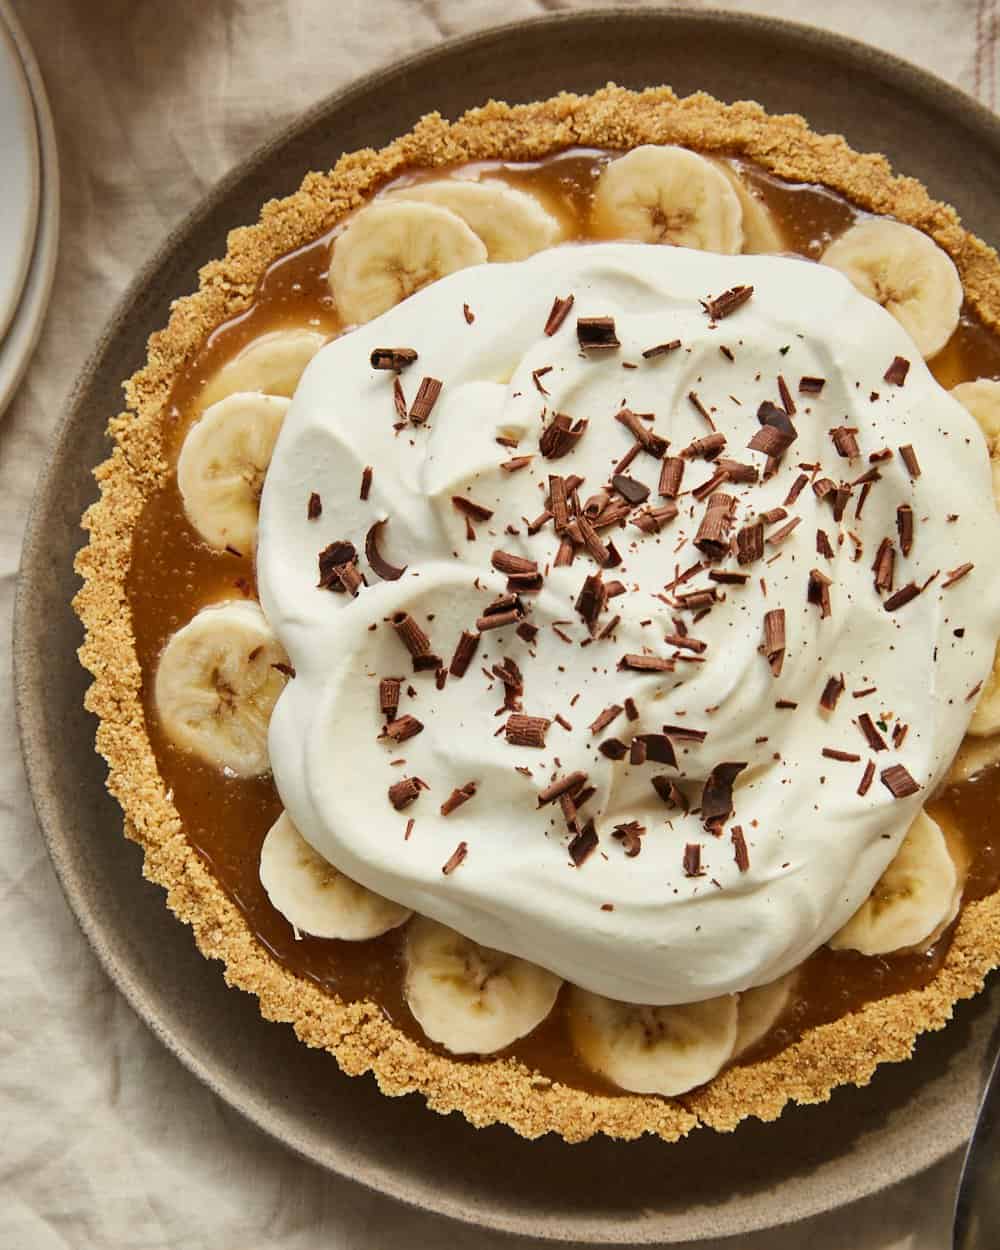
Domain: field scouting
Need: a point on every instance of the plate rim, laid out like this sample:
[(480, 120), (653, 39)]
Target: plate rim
[(21, 90), (949, 98), (18, 342)]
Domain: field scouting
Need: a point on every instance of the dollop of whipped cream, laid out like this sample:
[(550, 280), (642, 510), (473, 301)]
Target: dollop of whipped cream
[(669, 924)]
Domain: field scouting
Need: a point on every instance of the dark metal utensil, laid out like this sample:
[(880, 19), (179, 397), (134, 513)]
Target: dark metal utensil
[(977, 1204)]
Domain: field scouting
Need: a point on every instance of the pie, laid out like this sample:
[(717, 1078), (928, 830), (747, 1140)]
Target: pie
[(542, 613)]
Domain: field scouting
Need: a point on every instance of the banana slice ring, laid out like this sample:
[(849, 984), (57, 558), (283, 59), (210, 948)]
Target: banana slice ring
[(653, 1050), (668, 195), (469, 998), (216, 684), (393, 248), (982, 399), (316, 898), (916, 897), (907, 273), (221, 468), (760, 1009), (761, 233), (271, 364), (512, 224)]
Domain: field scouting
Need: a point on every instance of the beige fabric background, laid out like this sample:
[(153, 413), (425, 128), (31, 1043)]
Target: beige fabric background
[(105, 1141)]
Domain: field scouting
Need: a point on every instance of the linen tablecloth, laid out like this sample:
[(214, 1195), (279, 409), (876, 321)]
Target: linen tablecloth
[(105, 1140)]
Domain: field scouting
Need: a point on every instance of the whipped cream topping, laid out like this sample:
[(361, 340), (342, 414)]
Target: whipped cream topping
[(670, 924)]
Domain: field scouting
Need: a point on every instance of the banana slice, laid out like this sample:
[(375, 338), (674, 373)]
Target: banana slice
[(913, 899), (216, 684), (907, 273), (760, 1008), (986, 718), (761, 233), (469, 998), (393, 248), (653, 1050), (272, 363), (511, 223), (314, 897), (668, 195), (222, 464), (982, 399)]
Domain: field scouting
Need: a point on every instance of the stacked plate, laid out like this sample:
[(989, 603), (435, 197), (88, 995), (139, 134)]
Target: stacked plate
[(29, 217)]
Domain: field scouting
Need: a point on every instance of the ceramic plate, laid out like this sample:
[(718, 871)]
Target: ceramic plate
[(813, 1158), (17, 344), (19, 161)]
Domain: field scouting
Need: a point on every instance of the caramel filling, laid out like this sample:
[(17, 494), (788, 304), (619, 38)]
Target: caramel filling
[(174, 573)]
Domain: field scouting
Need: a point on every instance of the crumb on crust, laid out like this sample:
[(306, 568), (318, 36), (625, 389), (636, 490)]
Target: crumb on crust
[(846, 1051)]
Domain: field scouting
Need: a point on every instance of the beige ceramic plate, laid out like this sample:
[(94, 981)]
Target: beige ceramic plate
[(602, 1191)]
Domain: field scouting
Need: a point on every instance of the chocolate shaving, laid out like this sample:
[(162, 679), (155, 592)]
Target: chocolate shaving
[(646, 664), (592, 600), (558, 504), (845, 441), (331, 560), (592, 541), (394, 358), (904, 527), (366, 481), (468, 314), (661, 349), (771, 441), (902, 597), (388, 696), (583, 844), (717, 795), (840, 497), (350, 578), (786, 396), (515, 464), (383, 569), (424, 400), (897, 371), (658, 748), (818, 591), (909, 458), (832, 691), (671, 474), (823, 547), (314, 509), (774, 639), (750, 543), (413, 638), (728, 577), (740, 853), (867, 777), (637, 752), (526, 731), (465, 649), (604, 719), (956, 575), (737, 471), (708, 448), (712, 537), (597, 333), (558, 314), (471, 509), (709, 487), (692, 860), (685, 733), (845, 757), (885, 565), (898, 781), (823, 488), (403, 728), (399, 401), (613, 748), (561, 435), (651, 443), (458, 796), (669, 792), (796, 489), (507, 562), (635, 492), (728, 302), (630, 835), (562, 785), (565, 554), (811, 386), (457, 857), (779, 536), (872, 735), (685, 642), (537, 375), (404, 792), (700, 409)]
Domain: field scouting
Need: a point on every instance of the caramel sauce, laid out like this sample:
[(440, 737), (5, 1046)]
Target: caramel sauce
[(173, 574)]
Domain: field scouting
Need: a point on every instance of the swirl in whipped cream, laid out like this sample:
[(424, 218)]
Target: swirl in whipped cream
[(669, 905)]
